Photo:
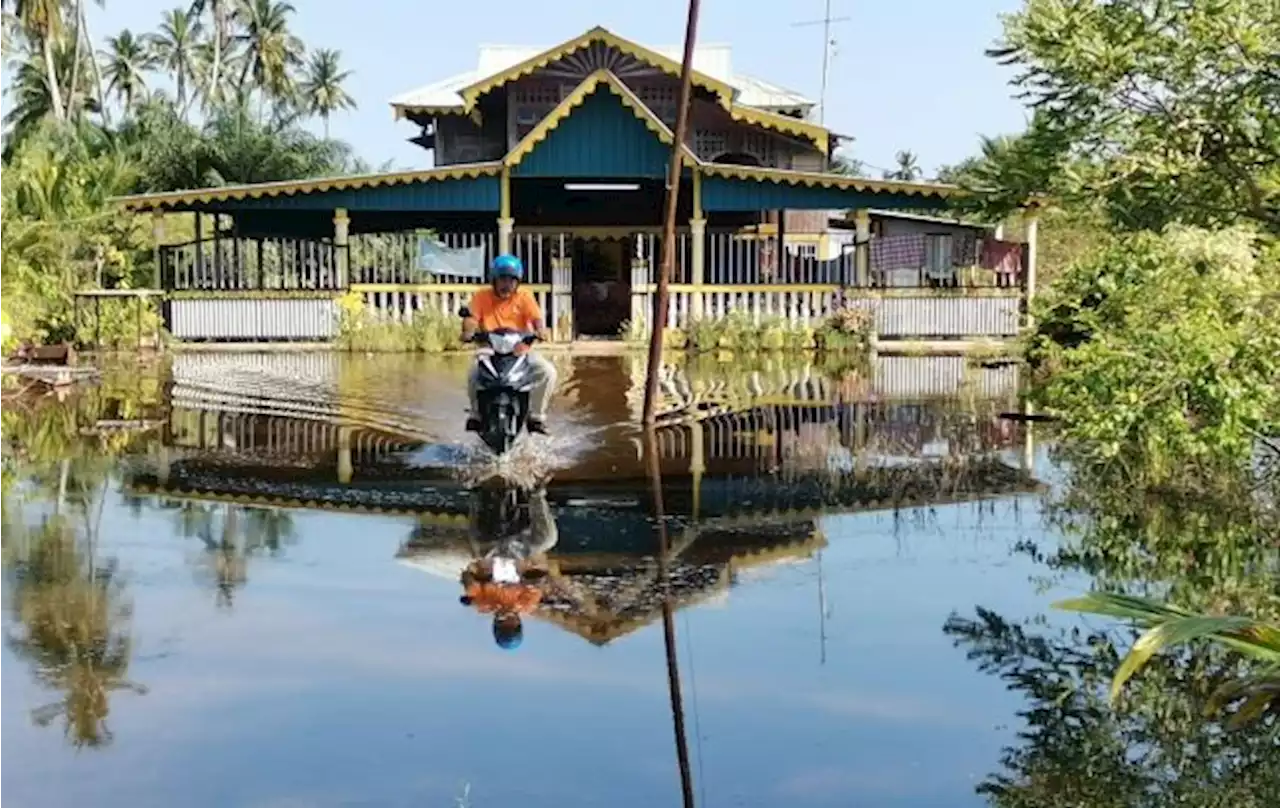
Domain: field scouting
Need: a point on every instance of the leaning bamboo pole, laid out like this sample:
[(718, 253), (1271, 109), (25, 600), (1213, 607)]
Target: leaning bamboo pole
[(658, 322), (654, 466)]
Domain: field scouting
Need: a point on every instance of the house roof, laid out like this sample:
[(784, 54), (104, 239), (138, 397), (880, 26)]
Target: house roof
[(504, 62), (826, 179), (921, 217), (224, 193)]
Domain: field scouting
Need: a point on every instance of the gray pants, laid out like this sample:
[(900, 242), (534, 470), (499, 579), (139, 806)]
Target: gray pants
[(544, 384)]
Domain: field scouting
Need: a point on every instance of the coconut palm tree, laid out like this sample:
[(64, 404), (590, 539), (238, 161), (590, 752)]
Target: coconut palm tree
[(222, 15), (84, 44), (219, 93), (271, 49), (321, 92), (32, 90), (175, 49), (128, 60), (848, 166), (908, 169), (42, 21)]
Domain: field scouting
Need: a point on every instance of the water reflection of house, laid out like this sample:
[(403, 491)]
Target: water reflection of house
[(605, 589), (752, 493), (302, 388), (751, 439)]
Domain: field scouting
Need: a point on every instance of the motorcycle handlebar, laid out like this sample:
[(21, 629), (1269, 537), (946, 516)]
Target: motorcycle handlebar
[(482, 337)]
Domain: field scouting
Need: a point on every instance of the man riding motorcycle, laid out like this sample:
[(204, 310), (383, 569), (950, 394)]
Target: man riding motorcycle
[(505, 305)]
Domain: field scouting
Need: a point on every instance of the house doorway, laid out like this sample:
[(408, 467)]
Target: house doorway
[(601, 285)]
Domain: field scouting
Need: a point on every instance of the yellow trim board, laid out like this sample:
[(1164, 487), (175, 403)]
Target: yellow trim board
[(829, 180), (437, 288), (576, 98), (405, 110), (739, 289), (471, 93), (783, 123), (424, 516), (291, 187)]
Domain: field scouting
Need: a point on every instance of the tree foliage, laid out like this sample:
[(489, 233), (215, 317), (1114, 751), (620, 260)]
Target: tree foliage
[(65, 156), (1162, 112), (1161, 353)]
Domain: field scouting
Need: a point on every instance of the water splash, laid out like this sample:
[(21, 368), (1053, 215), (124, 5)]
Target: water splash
[(531, 462)]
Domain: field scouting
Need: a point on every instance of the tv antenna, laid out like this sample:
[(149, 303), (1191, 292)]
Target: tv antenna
[(827, 42)]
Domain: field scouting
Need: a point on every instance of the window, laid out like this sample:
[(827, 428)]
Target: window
[(760, 146), (805, 250), (661, 98), (531, 104), (937, 257), (708, 144)]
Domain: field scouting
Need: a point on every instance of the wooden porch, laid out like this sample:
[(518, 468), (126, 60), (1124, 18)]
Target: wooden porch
[(595, 281)]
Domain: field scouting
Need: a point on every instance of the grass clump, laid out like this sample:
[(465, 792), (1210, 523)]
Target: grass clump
[(361, 329), (847, 331)]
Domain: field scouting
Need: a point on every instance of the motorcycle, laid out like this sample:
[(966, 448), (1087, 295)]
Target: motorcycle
[(498, 511), (504, 386)]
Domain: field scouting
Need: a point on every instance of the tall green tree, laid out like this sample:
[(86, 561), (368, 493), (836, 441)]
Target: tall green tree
[(321, 92), (221, 17), (907, 169), (174, 46), (848, 166), (272, 51), (127, 61), (84, 45), (31, 90), (220, 93), (42, 21), (1164, 111)]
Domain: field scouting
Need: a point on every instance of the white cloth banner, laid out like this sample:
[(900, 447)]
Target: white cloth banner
[(437, 259)]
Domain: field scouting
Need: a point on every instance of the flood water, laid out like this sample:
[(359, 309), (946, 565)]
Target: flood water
[(235, 580)]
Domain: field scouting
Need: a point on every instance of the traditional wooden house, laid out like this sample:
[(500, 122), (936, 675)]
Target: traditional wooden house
[(560, 155)]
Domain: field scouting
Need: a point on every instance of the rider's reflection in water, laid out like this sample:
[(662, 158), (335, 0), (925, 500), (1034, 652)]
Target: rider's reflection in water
[(508, 577)]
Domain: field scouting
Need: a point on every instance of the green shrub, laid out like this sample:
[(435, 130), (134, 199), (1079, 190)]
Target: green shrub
[(1161, 353), (360, 329), (848, 331)]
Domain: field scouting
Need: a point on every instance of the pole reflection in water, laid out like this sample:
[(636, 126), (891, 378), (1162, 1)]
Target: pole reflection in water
[(653, 460)]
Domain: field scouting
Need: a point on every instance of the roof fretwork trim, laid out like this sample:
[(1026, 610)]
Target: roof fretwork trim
[(576, 98)]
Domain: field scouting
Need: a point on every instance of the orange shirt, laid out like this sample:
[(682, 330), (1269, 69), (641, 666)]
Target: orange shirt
[(519, 311), (490, 597)]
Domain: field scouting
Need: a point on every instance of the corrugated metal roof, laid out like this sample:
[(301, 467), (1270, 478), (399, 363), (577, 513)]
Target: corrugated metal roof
[(324, 192), (715, 60)]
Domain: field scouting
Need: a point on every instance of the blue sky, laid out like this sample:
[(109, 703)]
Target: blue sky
[(905, 74)]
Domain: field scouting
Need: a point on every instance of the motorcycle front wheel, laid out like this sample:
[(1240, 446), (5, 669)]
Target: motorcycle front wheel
[(502, 427)]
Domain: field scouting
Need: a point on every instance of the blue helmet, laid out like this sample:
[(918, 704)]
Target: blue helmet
[(506, 266), (508, 634)]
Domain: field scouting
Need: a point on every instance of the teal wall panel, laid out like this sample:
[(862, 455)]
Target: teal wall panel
[(601, 138)]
